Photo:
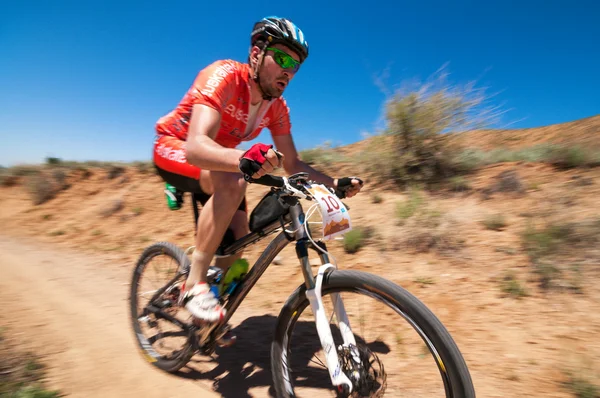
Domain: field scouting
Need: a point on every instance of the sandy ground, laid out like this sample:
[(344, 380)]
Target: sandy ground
[(65, 272)]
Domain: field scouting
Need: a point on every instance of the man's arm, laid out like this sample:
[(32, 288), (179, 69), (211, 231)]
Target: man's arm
[(292, 163), (202, 150)]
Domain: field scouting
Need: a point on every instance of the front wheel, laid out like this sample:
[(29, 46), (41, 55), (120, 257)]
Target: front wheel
[(404, 350)]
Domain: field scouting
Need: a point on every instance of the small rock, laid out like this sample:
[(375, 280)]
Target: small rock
[(278, 260)]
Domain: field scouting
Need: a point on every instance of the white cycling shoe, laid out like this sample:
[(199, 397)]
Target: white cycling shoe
[(202, 304)]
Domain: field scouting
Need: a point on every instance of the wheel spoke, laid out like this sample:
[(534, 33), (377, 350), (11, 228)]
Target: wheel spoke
[(391, 354), (162, 337)]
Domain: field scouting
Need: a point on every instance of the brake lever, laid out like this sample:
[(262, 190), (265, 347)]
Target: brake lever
[(291, 188)]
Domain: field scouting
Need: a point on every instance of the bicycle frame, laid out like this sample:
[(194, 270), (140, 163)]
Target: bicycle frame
[(313, 288), (205, 338), (280, 241)]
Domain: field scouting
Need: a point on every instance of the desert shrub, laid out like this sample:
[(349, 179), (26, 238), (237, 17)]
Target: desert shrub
[(143, 167), (22, 375), (560, 156), (569, 157), (46, 185), (41, 188), (409, 207), (420, 120), (511, 286), (459, 184), (554, 250), (357, 238), (322, 155), (52, 161), (114, 172), (376, 198), (8, 179), (495, 222)]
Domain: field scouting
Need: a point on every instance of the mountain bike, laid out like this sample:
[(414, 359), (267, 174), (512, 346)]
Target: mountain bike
[(311, 354)]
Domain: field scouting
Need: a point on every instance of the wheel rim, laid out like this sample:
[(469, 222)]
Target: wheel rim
[(404, 361), (160, 338)]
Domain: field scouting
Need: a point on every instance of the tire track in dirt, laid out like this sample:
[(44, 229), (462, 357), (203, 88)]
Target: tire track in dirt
[(73, 310)]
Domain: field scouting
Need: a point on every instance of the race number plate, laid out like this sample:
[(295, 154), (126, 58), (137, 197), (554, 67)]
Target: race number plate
[(336, 220)]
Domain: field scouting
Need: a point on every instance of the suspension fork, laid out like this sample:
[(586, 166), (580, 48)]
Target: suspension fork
[(313, 293), (338, 305)]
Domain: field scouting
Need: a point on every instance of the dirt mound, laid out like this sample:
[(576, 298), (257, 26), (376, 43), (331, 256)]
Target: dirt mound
[(508, 263), (582, 132)]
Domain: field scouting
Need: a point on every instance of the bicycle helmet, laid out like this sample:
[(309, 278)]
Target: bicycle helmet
[(280, 30)]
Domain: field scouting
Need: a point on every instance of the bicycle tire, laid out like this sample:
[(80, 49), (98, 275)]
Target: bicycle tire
[(185, 354), (453, 369)]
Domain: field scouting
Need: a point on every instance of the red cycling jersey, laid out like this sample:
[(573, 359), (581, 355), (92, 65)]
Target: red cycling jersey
[(224, 86)]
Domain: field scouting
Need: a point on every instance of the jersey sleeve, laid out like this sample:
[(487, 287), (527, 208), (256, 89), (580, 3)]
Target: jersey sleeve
[(215, 85), (279, 118)]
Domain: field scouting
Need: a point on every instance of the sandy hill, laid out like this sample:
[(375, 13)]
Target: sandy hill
[(583, 132), (509, 260)]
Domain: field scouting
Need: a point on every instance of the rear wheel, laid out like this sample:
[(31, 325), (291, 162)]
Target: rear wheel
[(162, 266), (404, 349)]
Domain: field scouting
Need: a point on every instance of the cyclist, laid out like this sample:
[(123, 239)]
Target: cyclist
[(194, 150)]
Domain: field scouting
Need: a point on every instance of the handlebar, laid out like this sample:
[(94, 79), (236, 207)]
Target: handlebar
[(268, 180), (279, 182)]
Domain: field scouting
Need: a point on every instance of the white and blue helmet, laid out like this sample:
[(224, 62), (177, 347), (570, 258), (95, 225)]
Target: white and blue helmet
[(280, 30)]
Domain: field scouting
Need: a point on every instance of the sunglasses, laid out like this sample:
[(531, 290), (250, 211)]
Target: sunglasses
[(284, 60)]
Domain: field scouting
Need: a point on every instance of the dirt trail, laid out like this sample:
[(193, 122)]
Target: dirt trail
[(74, 308)]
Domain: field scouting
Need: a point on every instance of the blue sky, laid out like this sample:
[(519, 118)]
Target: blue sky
[(87, 80)]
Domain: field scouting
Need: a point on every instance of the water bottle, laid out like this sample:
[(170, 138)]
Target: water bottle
[(214, 276), (174, 197), (234, 275)]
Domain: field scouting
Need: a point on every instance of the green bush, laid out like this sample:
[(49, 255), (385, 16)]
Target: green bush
[(408, 208), (495, 222), (511, 286), (354, 240), (376, 198), (420, 121), (322, 155)]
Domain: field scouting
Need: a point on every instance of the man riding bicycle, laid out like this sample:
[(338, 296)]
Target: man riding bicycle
[(230, 102)]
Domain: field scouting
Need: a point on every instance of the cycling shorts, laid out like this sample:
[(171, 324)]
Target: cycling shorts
[(171, 164)]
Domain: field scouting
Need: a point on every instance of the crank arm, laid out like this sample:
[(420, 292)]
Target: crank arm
[(338, 378), (159, 313)]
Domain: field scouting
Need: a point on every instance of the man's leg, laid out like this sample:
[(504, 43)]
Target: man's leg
[(239, 226), (228, 191)]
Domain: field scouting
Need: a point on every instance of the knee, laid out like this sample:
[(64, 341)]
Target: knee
[(231, 187)]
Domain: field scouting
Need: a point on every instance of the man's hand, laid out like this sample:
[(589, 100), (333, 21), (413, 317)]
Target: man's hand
[(259, 160), (347, 187)]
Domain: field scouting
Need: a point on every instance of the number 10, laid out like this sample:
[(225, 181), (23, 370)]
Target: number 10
[(331, 200)]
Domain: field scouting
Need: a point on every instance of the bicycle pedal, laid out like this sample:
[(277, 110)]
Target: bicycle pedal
[(227, 338)]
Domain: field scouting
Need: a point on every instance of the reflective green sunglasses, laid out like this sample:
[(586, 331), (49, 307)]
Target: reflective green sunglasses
[(284, 60)]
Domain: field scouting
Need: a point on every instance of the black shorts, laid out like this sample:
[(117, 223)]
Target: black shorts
[(188, 184)]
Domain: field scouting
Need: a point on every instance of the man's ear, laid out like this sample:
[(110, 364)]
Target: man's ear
[(255, 54)]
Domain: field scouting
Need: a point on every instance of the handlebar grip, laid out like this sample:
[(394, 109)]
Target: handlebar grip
[(268, 180)]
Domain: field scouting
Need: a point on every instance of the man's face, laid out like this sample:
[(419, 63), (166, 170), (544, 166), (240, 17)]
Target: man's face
[(273, 77)]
